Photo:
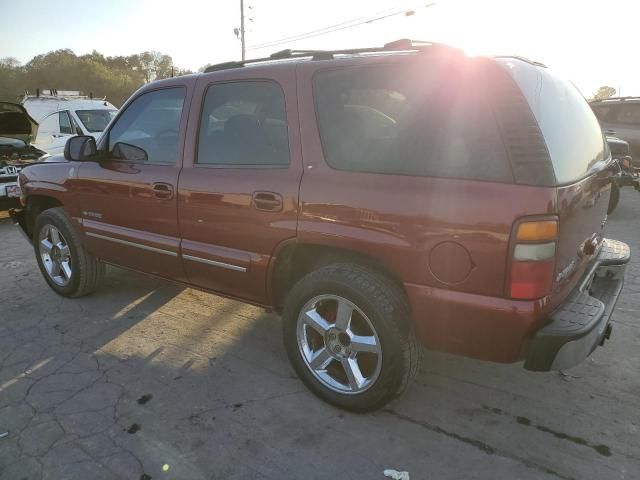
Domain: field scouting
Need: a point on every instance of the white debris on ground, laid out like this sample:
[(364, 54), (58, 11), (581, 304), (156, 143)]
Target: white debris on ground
[(396, 475)]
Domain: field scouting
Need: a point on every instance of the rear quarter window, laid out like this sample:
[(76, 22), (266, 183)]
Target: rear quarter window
[(570, 128), (421, 118)]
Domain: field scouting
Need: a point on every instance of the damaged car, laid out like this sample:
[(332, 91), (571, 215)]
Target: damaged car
[(17, 130)]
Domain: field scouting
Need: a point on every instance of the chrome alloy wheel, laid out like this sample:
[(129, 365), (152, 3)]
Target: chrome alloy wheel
[(339, 345), (55, 255)]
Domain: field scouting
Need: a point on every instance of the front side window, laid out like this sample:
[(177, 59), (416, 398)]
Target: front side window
[(244, 124), (65, 123), (95, 120), (151, 123), (417, 119)]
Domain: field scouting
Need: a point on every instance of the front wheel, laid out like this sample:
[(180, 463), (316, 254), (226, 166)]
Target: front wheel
[(348, 335), (65, 264)]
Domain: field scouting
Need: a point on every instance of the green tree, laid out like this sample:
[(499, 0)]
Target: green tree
[(115, 78), (604, 92)]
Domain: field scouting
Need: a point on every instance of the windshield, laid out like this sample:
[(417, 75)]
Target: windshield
[(95, 120)]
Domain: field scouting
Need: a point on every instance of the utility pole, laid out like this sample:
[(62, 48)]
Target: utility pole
[(242, 28)]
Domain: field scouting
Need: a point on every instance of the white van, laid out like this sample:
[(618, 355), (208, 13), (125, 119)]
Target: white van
[(63, 114)]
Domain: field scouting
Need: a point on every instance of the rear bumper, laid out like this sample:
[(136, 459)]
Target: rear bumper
[(19, 217), (582, 322)]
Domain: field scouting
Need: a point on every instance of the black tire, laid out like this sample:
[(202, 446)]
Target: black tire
[(614, 197), (386, 307), (87, 271)]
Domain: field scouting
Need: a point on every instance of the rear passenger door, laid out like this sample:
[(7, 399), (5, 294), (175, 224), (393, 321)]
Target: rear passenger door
[(238, 190)]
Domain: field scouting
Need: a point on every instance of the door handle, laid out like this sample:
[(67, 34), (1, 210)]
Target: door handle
[(267, 201), (610, 132), (162, 190)]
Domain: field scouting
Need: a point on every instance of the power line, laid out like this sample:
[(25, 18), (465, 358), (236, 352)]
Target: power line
[(325, 31), (337, 27), (293, 37)]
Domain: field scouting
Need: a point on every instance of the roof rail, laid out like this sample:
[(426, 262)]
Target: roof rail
[(618, 99), (398, 45), (524, 59)]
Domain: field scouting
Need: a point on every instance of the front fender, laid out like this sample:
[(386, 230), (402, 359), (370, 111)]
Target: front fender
[(19, 217)]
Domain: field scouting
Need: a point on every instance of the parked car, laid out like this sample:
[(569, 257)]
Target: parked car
[(17, 129), (63, 114), (377, 198), (620, 117), (627, 175)]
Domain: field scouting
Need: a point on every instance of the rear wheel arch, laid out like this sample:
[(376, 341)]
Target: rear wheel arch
[(295, 260)]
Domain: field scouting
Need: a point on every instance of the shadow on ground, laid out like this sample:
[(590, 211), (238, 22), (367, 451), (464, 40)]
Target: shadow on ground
[(145, 379)]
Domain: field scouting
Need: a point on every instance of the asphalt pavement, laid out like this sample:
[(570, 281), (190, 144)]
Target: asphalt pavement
[(147, 380)]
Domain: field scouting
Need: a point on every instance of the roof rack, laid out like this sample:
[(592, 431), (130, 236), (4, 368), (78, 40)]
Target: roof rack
[(524, 59), (404, 44), (615, 99)]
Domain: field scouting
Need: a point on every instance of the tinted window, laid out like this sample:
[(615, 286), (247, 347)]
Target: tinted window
[(244, 123), (65, 123), (95, 120), (570, 128), (152, 122), (428, 120)]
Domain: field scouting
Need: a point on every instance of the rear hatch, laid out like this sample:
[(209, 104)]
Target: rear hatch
[(581, 163)]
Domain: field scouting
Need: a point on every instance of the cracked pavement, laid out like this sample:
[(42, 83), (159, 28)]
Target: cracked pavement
[(149, 380)]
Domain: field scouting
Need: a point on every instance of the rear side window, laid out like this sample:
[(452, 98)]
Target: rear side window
[(567, 122), (244, 124), (413, 120)]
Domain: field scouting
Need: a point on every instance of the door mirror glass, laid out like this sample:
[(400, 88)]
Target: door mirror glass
[(129, 153), (80, 148)]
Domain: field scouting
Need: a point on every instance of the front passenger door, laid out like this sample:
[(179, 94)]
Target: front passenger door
[(127, 199)]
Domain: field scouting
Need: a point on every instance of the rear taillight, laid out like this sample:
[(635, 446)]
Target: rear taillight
[(533, 259)]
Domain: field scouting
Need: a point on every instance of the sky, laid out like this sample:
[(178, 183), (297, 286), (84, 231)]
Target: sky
[(585, 40)]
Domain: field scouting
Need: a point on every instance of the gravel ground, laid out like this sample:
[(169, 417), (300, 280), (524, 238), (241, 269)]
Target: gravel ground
[(148, 380)]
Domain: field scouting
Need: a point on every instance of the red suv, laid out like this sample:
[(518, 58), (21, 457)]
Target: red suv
[(378, 198)]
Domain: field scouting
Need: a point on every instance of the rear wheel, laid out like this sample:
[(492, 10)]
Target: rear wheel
[(66, 266), (348, 336)]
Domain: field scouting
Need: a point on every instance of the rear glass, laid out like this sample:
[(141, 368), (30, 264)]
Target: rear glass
[(417, 119), (569, 126)]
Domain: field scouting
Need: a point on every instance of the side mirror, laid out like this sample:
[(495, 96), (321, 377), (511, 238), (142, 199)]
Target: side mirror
[(129, 153), (80, 148)]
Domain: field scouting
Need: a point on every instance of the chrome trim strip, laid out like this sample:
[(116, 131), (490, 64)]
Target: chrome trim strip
[(132, 244), (206, 261)]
